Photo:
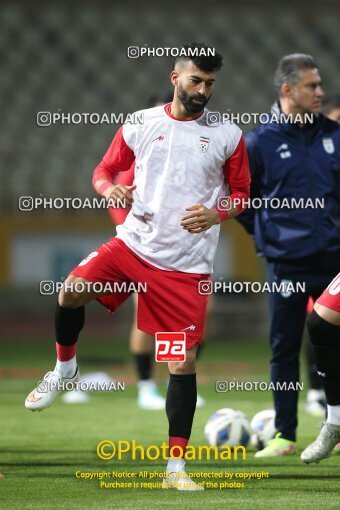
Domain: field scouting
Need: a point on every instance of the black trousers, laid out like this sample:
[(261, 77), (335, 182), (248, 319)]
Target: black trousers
[(287, 319)]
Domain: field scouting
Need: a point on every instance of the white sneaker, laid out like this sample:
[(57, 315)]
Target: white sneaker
[(149, 397), (200, 401), (180, 480), (323, 445), (44, 394), (316, 409), (316, 403)]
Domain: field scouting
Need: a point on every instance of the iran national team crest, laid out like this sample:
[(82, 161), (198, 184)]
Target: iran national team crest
[(204, 143), (328, 145)]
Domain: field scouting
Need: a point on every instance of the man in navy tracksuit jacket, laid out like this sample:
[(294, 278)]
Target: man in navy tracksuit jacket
[(294, 160)]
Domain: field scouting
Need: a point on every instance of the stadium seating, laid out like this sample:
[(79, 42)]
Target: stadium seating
[(62, 57)]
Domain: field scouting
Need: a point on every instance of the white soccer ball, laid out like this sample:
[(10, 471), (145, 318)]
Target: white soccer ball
[(210, 425), (227, 427), (262, 428)]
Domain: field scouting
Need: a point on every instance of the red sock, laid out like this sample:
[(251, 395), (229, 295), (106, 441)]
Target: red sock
[(179, 442), (66, 352)]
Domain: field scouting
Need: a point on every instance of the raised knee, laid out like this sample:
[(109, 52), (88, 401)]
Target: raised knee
[(69, 297)]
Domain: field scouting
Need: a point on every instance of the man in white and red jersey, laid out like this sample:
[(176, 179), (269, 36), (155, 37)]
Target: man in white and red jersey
[(324, 331), (141, 343), (168, 241)]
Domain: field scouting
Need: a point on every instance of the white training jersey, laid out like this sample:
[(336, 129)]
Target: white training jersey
[(177, 164)]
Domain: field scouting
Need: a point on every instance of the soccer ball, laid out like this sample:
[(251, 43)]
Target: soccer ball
[(227, 427), (262, 428)]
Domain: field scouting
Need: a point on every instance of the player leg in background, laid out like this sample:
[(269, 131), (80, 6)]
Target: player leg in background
[(316, 401), (142, 346), (324, 330), (180, 409)]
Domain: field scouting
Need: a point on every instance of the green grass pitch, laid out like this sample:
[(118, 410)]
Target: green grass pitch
[(41, 452)]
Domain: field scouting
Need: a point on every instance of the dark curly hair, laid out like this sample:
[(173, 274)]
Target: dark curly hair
[(203, 56)]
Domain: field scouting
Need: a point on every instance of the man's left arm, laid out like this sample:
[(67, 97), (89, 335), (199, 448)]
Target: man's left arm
[(237, 177)]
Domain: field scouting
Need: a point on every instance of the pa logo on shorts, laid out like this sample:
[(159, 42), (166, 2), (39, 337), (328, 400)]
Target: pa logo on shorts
[(170, 346), (204, 143)]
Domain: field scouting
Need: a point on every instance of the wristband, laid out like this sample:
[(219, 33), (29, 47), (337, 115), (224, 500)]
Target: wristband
[(223, 215), (103, 187), (225, 204)]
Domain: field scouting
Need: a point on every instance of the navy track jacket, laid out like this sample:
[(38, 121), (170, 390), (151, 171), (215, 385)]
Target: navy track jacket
[(290, 162)]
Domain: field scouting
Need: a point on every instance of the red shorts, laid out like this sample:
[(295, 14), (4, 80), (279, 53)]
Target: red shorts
[(331, 296), (171, 301)]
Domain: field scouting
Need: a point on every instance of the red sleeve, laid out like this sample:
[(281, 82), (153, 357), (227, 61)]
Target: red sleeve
[(118, 158), (118, 214), (126, 177), (237, 176)]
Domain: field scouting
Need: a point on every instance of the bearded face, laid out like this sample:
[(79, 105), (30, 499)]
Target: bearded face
[(193, 103)]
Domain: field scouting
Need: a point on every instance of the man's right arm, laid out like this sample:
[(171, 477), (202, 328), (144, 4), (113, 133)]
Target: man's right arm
[(118, 158), (247, 217)]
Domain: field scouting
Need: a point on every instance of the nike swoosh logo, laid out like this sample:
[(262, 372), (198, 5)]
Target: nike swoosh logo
[(32, 398)]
